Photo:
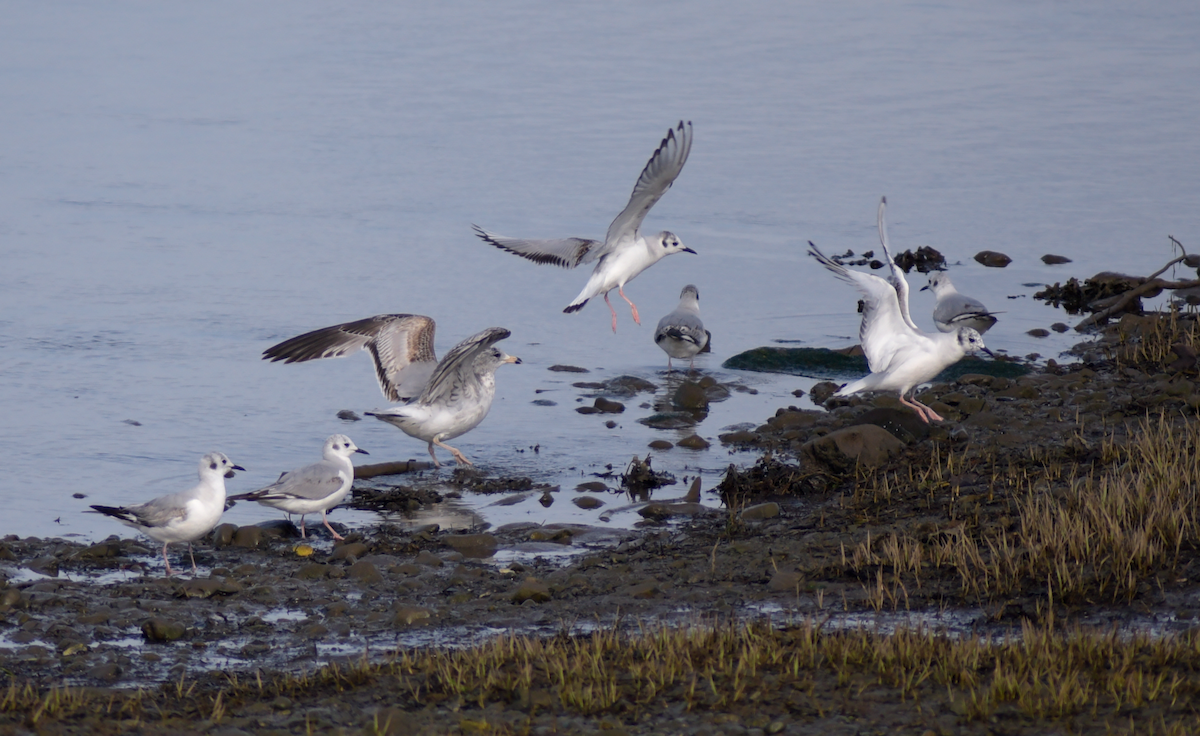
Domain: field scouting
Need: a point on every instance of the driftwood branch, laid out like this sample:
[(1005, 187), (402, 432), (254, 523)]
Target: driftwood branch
[(1152, 283), (393, 468)]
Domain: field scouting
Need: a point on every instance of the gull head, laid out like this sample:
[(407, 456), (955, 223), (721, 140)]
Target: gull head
[(691, 291), (939, 281), (339, 445), (492, 358), (671, 244), (215, 463), (971, 341)]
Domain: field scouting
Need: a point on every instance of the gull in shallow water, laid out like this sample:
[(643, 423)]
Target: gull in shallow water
[(899, 354), (184, 516), (625, 252), (457, 397), (681, 334), (313, 488), (954, 310)]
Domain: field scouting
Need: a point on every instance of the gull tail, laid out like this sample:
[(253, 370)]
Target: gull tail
[(575, 306), (116, 512)]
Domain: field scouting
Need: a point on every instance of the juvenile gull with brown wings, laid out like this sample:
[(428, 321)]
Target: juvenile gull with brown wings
[(625, 252)]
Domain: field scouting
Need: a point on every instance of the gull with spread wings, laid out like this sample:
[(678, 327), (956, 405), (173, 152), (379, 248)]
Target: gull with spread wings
[(899, 354), (625, 252), (441, 400)]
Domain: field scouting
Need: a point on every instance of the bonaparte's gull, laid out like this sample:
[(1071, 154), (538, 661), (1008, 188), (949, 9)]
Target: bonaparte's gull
[(457, 397), (313, 488), (954, 310), (681, 334), (401, 346), (625, 252), (900, 355), (184, 516)]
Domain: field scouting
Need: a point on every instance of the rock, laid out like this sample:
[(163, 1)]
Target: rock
[(315, 571), (472, 545), (694, 442), (669, 420), (567, 369), (248, 536), (428, 559), (158, 629), (348, 550), (347, 415), (906, 426), (558, 536), (1059, 327), (106, 673), (546, 499), (820, 392), (1038, 332), (740, 437), (408, 615), (660, 445), (531, 590), (100, 550), (591, 485), (690, 396), (647, 589), (608, 406), (759, 512), (587, 410), (864, 444), (365, 571), (785, 581), (992, 259), (544, 402), (222, 536), (587, 502), (46, 565), (1052, 260)]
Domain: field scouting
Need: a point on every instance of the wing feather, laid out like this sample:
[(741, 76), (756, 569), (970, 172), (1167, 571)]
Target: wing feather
[(656, 178)]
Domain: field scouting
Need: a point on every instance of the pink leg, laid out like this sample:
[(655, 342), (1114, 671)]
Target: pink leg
[(193, 559), (436, 464), (923, 411), (302, 534), (336, 536), (614, 312), (169, 570), (621, 291)]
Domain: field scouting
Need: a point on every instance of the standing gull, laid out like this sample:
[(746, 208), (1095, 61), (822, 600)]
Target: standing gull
[(625, 252), (457, 397), (681, 334), (184, 516), (954, 310), (313, 488), (899, 354)]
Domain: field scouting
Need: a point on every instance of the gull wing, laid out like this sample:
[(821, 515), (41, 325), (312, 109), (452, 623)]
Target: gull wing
[(655, 180), (565, 252), (311, 483), (682, 324), (401, 346), (883, 331), (897, 278), (457, 367)]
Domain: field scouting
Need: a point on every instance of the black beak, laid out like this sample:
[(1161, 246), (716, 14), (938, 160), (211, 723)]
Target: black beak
[(989, 352), (359, 449), (689, 250), (924, 288)]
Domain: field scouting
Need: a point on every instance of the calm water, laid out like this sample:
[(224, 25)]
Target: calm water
[(183, 185)]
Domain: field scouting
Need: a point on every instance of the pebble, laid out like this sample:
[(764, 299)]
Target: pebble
[(348, 550), (531, 589), (587, 502), (160, 629), (694, 442), (472, 545), (761, 511), (992, 259)]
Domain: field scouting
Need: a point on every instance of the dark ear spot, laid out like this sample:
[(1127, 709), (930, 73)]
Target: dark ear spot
[(212, 466)]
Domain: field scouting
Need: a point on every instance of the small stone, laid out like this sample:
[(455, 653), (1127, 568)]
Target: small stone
[(47, 565), (587, 502), (108, 673), (247, 536), (740, 437), (314, 571), (1038, 332), (647, 589), (567, 369), (99, 551), (608, 406), (610, 424), (160, 629), (866, 444), (365, 571), (313, 631), (428, 559), (660, 445), (992, 259), (785, 581), (1059, 327), (472, 545), (546, 499), (591, 485), (348, 550), (531, 590), (408, 615), (1053, 260), (694, 442), (222, 536), (760, 511), (690, 396), (346, 415)]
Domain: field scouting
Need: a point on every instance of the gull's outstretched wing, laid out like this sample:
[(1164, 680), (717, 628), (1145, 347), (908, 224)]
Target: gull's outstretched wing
[(457, 368), (401, 346), (658, 176), (883, 331), (897, 278), (565, 252)]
